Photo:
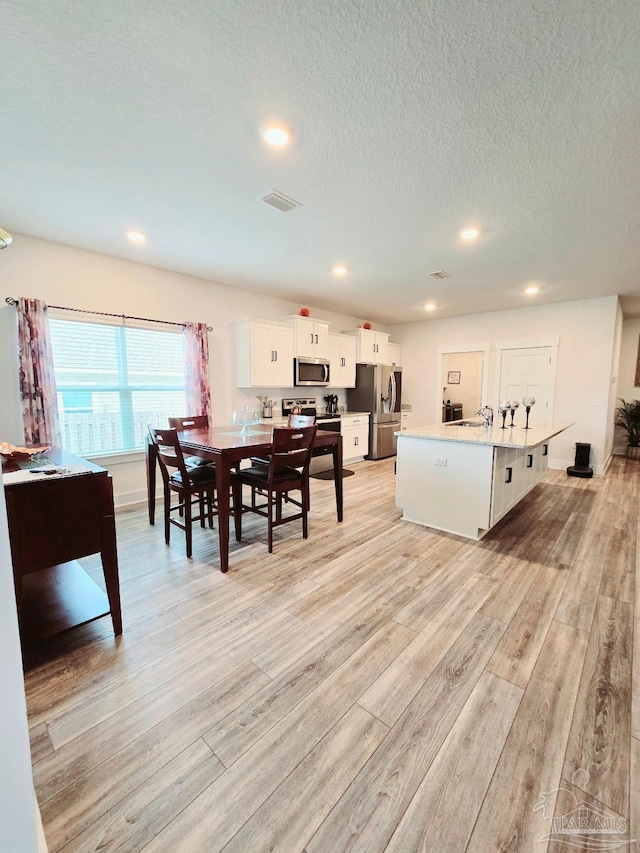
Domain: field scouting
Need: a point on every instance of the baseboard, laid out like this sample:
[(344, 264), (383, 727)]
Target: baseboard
[(131, 499)]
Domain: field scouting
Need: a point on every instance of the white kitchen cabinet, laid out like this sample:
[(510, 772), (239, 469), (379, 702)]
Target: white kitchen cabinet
[(371, 347), (355, 437), (515, 473), (507, 481), (264, 354), (405, 421), (342, 355), (311, 337), (394, 354)]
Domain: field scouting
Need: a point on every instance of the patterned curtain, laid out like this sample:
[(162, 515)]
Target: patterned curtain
[(196, 349), (37, 380)]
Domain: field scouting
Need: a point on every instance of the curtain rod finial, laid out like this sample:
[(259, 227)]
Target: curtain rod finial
[(11, 301)]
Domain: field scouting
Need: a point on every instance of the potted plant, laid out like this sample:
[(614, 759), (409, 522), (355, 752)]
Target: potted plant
[(628, 419)]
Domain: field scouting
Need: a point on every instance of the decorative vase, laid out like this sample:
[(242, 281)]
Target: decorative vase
[(633, 452)]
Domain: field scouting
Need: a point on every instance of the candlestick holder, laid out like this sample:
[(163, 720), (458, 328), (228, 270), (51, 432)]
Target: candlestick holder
[(528, 402), (513, 406)]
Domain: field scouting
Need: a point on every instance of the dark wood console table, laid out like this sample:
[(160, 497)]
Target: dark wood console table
[(54, 521)]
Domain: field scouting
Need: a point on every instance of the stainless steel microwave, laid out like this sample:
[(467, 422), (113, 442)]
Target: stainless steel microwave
[(311, 371)]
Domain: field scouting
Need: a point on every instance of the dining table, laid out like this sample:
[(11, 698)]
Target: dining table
[(227, 446)]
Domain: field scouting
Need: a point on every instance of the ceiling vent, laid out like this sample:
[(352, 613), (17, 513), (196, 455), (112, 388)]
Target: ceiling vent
[(280, 201), (440, 274)]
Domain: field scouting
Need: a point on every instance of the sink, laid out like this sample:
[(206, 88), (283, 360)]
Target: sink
[(466, 424)]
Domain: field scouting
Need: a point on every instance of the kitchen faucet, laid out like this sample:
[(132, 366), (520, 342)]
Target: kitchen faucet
[(486, 413)]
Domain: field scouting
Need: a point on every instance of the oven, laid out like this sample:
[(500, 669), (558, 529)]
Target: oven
[(323, 460)]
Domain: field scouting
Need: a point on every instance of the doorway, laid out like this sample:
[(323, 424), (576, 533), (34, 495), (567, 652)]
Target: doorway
[(462, 388), (462, 377)]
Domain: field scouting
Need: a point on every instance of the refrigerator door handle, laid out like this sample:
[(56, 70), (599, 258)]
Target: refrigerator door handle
[(392, 378)]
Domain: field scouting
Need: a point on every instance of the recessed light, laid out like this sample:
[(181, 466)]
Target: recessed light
[(470, 233), (532, 290), (430, 306), (137, 236), (276, 135), (339, 270)]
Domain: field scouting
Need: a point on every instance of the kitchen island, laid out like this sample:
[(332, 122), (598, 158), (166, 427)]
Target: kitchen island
[(464, 479)]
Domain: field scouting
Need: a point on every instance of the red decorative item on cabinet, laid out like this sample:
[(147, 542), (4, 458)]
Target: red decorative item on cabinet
[(366, 325), (304, 312)]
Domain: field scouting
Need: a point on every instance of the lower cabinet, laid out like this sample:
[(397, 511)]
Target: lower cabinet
[(355, 437), (515, 472)]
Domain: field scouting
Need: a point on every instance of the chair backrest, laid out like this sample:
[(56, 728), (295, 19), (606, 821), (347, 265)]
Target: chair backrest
[(193, 422), (169, 452), (301, 420), (291, 448)]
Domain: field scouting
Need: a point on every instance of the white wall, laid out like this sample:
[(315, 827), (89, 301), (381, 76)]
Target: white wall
[(75, 278), (585, 358), (17, 800)]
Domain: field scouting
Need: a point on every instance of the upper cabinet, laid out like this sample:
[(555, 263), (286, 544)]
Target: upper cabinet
[(395, 355), (371, 347), (311, 337), (264, 354), (342, 355)]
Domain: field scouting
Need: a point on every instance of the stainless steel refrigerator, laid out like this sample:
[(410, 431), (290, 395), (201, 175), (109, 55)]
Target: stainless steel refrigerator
[(379, 391)]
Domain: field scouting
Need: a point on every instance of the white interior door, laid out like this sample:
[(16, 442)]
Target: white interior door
[(529, 372)]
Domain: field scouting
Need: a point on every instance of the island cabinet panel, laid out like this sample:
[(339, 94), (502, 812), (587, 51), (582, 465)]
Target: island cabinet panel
[(463, 480), (508, 481), (445, 486)]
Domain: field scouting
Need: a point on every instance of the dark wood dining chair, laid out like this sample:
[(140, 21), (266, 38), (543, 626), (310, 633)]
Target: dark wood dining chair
[(194, 487), (292, 421), (192, 422), (287, 471)]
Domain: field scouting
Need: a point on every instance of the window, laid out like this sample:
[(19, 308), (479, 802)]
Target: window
[(114, 380)]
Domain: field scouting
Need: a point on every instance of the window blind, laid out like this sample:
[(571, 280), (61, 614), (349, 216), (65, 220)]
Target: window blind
[(114, 380)]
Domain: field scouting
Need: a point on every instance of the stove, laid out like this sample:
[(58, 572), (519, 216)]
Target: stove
[(309, 406), (324, 420)]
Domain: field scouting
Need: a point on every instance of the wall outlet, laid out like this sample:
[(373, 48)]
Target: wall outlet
[(440, 460), (601, 403)]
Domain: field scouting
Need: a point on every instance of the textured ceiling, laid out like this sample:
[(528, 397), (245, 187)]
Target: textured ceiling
[(412, 118)]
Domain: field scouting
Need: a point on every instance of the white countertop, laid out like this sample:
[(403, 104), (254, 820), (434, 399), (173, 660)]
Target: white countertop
[(515, 436), (282, 421)]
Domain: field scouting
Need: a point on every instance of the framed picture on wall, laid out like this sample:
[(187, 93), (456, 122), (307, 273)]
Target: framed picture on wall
[(453, 377), (636, 381)]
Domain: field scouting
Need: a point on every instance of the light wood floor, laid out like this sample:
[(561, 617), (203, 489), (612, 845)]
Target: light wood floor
[(379, 687)]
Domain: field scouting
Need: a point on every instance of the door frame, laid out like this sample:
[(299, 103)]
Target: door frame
[(530, 343), (484, 348)]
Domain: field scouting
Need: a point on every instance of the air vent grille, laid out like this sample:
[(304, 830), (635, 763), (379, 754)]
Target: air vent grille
[(440, 274), (280, 201)]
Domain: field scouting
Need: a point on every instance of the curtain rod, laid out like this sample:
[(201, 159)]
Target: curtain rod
[(11, 301)]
